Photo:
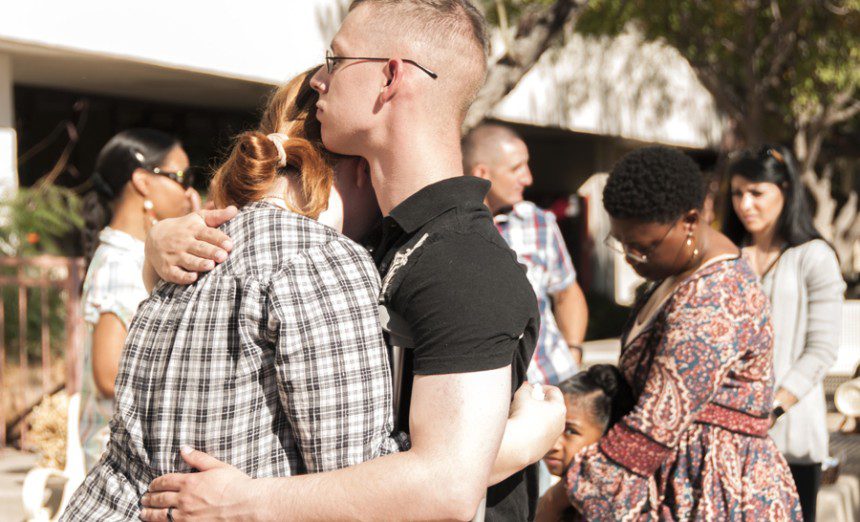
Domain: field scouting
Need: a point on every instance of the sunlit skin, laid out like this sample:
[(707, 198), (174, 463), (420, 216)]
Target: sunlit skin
[(664, 244), (168, 197), (757, 205), (509, 174), (580, 430)]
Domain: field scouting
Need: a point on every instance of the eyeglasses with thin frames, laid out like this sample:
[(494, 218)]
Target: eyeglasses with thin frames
[(637, 257), (331, 61)]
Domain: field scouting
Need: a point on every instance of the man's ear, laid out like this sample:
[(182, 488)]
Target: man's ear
[(480, 171), (691, 220), (394, 79), (140, 181)]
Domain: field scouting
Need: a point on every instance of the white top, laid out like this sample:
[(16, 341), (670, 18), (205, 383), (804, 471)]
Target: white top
[(114, 285), (806, 291)]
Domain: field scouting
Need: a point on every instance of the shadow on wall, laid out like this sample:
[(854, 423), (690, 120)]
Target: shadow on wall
[(617, 86)]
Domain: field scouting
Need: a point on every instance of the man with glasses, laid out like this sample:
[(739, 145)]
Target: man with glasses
[(460, 314)]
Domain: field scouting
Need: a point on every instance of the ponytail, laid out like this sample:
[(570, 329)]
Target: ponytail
[(607, 392), (252, 168), (97, 211)]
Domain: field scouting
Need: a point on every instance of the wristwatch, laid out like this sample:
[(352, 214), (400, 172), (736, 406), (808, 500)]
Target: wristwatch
[(777, 411)]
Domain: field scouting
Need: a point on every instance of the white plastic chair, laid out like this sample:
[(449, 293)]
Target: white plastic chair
[(36, 494)]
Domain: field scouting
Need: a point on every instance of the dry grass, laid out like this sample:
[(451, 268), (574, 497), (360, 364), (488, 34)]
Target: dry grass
[(47, 436)]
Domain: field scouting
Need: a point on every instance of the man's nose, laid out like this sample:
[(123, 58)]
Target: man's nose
[(319, 81), (527, 179)]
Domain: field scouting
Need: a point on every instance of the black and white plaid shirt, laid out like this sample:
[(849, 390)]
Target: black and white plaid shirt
[(273, 362)]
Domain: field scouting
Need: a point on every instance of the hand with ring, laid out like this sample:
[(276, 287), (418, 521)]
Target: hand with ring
[(218, 492)]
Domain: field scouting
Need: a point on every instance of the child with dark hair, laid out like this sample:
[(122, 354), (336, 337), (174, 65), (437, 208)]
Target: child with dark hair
[(596, 399)]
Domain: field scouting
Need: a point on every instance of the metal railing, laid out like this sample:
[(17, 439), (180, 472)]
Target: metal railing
[(38, 277)]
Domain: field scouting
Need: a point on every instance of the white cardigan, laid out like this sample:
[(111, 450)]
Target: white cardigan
[(806, 291)]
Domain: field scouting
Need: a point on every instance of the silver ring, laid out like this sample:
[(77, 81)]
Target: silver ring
[(170, 514)]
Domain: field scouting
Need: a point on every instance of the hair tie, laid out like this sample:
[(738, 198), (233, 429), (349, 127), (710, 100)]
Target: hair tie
[(278, 139)]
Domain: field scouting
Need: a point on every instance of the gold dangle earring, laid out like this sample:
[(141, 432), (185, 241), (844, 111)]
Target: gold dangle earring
[(690, 243), (148, 211)]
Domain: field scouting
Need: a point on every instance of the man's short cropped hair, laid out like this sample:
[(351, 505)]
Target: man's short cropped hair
[(445, 24), (483, 143)]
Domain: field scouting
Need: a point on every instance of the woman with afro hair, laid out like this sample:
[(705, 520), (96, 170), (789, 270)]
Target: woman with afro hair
[(697, 354)]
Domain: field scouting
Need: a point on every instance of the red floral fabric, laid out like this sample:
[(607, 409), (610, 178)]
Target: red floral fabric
[(695, 447)]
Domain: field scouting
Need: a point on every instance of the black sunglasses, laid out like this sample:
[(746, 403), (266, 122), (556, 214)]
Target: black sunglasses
[(331, 60), (183, 177)]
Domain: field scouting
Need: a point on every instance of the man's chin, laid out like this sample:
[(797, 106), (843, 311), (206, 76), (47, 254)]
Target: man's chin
[(333, 144)]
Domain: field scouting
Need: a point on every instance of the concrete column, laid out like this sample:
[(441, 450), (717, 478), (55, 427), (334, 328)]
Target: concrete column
[(8, 138)]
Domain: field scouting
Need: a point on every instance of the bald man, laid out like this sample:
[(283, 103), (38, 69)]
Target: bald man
[(498, 154)]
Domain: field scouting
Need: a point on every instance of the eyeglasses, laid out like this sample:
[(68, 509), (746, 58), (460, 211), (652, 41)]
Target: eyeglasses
[(331, 60), (637, 257), (183, 177)]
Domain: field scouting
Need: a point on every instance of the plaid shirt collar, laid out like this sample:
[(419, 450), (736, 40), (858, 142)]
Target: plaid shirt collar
[(519, 211)]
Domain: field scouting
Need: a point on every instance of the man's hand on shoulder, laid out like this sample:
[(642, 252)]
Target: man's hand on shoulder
[(179, 248)]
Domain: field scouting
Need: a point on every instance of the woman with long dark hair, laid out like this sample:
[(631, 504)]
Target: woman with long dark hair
[(141, 176), (771, 219)]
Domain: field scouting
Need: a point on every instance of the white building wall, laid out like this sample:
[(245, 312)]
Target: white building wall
[(620, 87), (261, 40), (8, 140)]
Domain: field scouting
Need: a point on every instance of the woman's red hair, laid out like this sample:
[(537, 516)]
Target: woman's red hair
[(251, 170)]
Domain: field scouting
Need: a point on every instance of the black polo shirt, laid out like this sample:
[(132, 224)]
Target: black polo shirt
[(463, 300)]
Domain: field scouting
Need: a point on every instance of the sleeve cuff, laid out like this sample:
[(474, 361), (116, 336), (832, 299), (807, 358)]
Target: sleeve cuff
[(633, 450), (796, 384), (107, 305), (561, 285)]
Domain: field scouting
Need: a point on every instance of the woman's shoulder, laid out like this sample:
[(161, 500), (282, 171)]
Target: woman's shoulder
[(268, 239), (112, 264), (726, 284), (813, 249), (815, 256)]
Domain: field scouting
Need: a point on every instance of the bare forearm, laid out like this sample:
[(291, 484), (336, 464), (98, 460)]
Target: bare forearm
[(404, 486), (517, 451), (571, 314)]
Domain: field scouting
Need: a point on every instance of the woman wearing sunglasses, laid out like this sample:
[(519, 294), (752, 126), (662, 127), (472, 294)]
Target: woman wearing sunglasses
[(141, 176), (770, 218)]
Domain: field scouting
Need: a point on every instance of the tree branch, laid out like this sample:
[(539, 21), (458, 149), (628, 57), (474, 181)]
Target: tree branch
[(534, 36), (843, 108), (783, 38)]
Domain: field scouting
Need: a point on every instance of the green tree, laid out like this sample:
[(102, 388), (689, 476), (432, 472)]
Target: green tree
[(780, 70), (528, 28)]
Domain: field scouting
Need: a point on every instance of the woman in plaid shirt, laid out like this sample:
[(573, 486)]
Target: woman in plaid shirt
[(274, 361)]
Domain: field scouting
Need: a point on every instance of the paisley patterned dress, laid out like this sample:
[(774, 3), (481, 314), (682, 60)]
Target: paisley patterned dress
[(695, 447)]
